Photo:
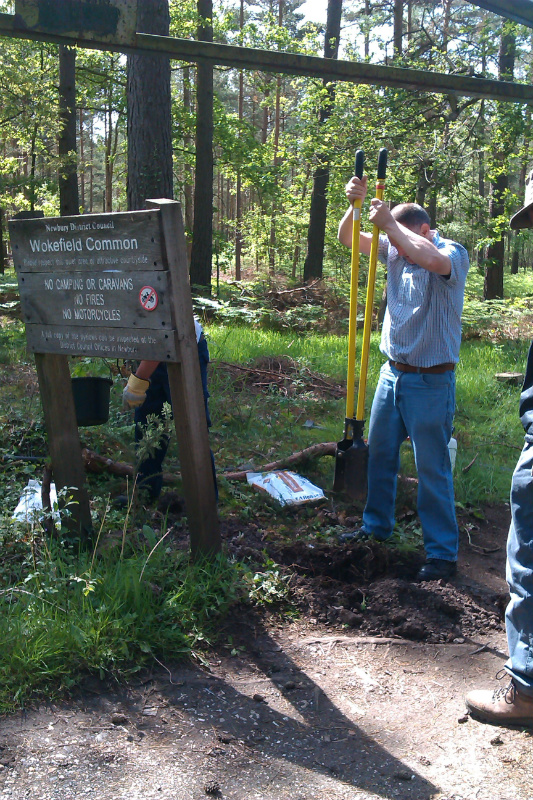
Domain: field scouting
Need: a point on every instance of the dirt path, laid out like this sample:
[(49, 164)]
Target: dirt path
[(305, 710), (301, 716)]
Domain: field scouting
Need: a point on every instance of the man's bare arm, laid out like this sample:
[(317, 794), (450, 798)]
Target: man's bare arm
[(417, 246), (356, 189)]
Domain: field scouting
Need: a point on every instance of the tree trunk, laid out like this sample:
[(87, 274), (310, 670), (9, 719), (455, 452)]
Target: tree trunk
[(367, 13), (202, 238), (82, 163), (238, 208), (68, 177), (398, 27), (313, 266), (34, 159), (188, 173), (494, 265), (516, 254), (3, 254), (149, 118), (446, 8), (91, 174)]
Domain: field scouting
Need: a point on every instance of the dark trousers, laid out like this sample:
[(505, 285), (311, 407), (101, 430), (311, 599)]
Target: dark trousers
[(150, 472)]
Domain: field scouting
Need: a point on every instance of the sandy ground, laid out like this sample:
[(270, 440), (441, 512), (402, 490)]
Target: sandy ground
[(302, 714)]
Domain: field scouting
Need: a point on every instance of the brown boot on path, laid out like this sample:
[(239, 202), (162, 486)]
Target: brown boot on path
[(504, 706)]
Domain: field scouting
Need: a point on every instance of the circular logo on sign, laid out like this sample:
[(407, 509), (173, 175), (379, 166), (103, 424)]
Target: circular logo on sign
[(148, 297)]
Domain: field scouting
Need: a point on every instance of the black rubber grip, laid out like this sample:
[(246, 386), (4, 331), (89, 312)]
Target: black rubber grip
[(382, 163), (359, 163)]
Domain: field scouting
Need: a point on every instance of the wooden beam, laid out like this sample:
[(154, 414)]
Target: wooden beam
[(518, 10), (295, 64)]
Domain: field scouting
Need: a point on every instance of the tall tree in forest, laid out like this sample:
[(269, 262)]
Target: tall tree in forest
[(68, 173), (398, 27), (202, 236), (238, 190), (277, 121), (500, 151), (188, 145), (149, 114), (319, 202)]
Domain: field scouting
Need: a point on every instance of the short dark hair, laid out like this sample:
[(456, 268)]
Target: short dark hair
[(411, 215)]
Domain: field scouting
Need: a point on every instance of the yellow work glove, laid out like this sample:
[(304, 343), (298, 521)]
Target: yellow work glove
[(134, 393)]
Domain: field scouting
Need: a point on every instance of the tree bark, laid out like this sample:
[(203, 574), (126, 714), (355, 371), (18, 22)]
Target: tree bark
[(3, 254), (238, 209), (398, 27), (68, 176), (494, 265), (313, 266), (82, 163), (188, 172), (202, 238), (149, 118)]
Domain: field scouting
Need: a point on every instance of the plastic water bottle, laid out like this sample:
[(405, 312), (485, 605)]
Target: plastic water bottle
[(452, 449)]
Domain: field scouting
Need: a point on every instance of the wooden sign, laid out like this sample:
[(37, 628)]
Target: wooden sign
[(115, 285), (95, 285), (113, 21)]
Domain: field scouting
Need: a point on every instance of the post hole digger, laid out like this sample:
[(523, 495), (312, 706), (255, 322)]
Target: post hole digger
[(351, 455)]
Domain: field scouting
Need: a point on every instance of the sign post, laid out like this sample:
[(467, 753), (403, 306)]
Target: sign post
[(116, 286)]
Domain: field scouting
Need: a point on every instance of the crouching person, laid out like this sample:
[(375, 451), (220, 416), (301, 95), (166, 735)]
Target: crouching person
[(146, 392)]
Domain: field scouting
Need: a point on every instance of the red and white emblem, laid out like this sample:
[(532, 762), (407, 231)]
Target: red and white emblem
[(148, 298)]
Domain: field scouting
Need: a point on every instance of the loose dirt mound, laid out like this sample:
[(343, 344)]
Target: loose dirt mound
[(370, 586)]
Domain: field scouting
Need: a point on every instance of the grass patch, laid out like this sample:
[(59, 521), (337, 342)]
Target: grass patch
[(70, 613)]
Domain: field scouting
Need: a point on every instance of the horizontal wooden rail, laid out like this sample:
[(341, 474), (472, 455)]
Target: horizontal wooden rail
[(293, 64)]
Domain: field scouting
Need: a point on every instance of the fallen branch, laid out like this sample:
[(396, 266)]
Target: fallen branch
[(315, 451), (352, 640), (469, 466), (93, 462), (280, 292)]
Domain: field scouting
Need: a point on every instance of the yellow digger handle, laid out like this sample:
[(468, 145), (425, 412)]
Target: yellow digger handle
[(370, 289), (352, 323)]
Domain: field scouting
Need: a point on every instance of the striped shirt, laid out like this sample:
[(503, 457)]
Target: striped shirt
[(422, 324)]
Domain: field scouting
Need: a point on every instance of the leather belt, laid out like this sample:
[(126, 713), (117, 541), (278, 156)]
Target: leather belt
[(438, 369)]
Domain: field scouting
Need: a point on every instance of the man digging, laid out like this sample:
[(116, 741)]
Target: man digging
[(415, 395)]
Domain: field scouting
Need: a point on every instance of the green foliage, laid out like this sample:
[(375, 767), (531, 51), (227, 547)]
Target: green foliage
[(268, 587), (71, 612)]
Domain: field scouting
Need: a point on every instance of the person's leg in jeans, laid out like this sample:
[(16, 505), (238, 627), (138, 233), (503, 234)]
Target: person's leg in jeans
[(385, 435), (427, 403), (519, 612), (513, 704)]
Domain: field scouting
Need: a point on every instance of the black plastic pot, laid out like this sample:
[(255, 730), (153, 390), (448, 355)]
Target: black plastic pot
[(91, 400)]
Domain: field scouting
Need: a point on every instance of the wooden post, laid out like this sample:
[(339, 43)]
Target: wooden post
[(55, 388), (186, 391)]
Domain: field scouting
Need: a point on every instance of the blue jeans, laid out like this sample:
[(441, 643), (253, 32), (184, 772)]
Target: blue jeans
[(420, 406), (150, 472), (519, 612)]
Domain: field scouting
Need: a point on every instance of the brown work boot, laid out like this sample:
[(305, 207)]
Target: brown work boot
[(504, 706)]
